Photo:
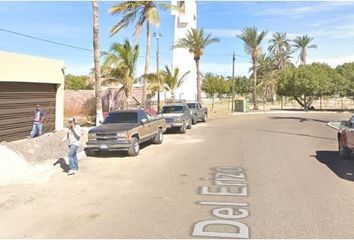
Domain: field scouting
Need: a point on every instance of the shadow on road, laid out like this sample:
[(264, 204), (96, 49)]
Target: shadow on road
[(343, 168), (300, 119), (296, 134), (63, 165)]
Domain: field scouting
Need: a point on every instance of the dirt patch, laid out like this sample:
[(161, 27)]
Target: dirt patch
[(43, 148)]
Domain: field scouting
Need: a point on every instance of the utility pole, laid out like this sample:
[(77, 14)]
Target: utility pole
[(157, 35), (233, 81)]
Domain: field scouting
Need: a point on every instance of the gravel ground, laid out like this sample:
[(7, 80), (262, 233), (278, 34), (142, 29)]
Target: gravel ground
[(43, 148)]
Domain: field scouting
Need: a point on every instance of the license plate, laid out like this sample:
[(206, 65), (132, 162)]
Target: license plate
[(167, 125), (103, 147)]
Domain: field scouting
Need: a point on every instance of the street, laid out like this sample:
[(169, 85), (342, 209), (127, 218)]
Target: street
[(290, 185)]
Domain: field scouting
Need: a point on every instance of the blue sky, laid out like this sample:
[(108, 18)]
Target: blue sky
[(330, 23)]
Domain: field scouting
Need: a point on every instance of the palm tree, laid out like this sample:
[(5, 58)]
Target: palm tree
[(280, 47), (119, 65), (96, 47), (140, 13), (302, 43), (195, 41), (252, 40), (172, 80)]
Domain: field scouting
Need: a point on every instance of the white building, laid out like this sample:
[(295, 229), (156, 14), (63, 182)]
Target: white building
[(181, 57)]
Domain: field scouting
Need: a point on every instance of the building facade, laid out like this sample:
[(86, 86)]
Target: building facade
[(182, 58), (26, 81)]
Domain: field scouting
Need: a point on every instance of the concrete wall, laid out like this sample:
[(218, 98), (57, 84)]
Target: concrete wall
[(16, 67)]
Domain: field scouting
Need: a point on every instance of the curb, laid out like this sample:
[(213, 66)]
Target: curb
[(282, 112)]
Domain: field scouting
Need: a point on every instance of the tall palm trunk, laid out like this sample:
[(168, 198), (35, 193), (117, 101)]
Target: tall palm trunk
[(173, 95), (303, 57), (96, 48), (199, 89), (147, 61), (254, 92)]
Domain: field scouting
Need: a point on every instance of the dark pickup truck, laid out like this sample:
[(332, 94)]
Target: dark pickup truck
[(124, 131), (198, 112)]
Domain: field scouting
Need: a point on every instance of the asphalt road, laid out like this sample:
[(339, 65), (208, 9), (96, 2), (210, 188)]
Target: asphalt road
[(288, 183)]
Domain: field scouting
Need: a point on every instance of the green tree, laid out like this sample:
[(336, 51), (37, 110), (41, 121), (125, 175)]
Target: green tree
[(120, 64), (172, 80), (242, 85), (307, 82), (196, 42), (138, 13), (252, 40), (345, 85), (303, 43), (77, 82), (281, 50), (214, 85)]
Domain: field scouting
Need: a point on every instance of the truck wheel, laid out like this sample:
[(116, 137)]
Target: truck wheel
[(134, 147), (189, 126), (195, 120), (205, 117), (344, 152), (158, 137), (183, 129)]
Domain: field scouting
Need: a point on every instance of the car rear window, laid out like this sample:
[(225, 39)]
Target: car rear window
[(172, 109), (121, 117), (191, 105)]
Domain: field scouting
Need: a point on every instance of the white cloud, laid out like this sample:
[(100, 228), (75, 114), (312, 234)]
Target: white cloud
[(333, 62), (301, 9), (225, 69)]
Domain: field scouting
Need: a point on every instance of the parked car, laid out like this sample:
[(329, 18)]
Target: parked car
[(177, 116), (125, 130), (198, 112), (346, 138)]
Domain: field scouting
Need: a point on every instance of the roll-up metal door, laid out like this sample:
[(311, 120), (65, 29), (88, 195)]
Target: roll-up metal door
[(17, 103)]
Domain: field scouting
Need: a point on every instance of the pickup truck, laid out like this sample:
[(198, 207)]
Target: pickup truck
[(177, 116), (346, 138), (198, 112), (125, 130)]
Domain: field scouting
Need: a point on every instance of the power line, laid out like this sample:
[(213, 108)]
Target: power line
[(45, 40), (90, 50)]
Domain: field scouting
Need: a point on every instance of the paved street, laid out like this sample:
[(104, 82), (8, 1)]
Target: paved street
[(293, 186)]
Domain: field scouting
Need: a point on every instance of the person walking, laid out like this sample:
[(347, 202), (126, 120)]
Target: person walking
[(37, 126), (73, 136)]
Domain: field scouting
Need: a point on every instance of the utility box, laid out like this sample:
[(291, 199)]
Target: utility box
[(241, 106)]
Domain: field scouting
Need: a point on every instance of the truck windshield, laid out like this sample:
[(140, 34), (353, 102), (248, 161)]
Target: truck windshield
[(121, 117), (191, 105), (172, 109)]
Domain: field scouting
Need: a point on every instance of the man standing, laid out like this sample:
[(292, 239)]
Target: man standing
[(38, 117), (73, 136)]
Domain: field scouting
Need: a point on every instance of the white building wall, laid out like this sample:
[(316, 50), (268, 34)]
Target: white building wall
[(181, 57)]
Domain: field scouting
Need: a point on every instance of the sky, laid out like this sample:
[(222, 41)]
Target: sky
[(330, 23)]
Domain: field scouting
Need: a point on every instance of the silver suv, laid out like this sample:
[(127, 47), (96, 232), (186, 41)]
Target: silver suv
[(177, 116)]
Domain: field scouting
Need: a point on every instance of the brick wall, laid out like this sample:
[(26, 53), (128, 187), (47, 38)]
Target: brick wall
[(82, 102)]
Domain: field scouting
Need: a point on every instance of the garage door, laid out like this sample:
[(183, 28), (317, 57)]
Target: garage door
[(17, 103)]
